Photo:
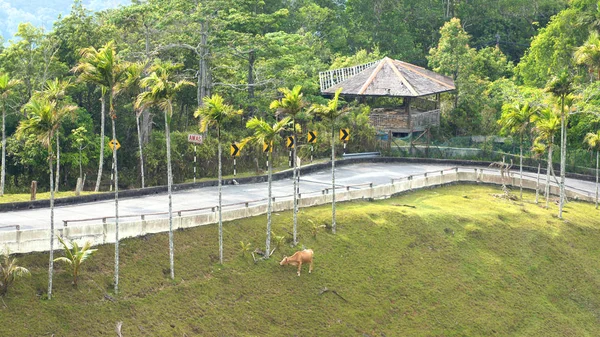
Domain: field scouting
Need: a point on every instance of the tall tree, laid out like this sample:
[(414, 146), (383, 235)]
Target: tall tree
[(162, 90), (516, 119), (6, 88), (55, 90), (538, 149), (265, 133), (133, 77), (94, 67), (104, 68), (213, 113), (547, 124), (331, 113), (592, 139), (561, 86), (291, 104), (43, 120)]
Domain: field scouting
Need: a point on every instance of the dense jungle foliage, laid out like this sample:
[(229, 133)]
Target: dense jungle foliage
[(500, 55)]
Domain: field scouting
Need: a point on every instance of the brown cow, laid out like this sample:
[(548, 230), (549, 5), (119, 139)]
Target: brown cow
[(300, 257)]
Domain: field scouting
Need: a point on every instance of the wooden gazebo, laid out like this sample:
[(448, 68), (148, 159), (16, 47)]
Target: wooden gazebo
[(418, 87)]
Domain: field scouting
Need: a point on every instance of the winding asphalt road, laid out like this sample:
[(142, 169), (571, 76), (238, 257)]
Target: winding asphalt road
[(350, 175)]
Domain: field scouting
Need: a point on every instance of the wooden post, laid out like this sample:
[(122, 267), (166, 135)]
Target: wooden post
[(33, 189), (409, 119)]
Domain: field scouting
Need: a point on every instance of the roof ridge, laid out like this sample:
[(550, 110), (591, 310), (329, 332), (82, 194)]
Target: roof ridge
[(371, 77), (410, 67), (402, 78)]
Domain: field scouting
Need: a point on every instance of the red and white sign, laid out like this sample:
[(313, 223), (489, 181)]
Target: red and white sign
[(192, 138)]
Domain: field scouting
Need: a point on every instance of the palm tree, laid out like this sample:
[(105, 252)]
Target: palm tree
[(547, 125), (516, 119), (97, 66), (104, 68), (75, 256), (43, 119), (331, 113), (538, 150), (133, 77), (55, 91), (214, 112), (291, 104), (589, 54), (9, 272), (593, 141), (265, 133), (6, 89), (561, 86), (162, 90)]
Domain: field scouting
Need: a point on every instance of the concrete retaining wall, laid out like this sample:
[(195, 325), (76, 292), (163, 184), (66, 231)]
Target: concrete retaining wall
[(39, 240)]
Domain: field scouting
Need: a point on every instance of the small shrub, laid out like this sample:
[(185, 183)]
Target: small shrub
[(75, 256), (9, 272)]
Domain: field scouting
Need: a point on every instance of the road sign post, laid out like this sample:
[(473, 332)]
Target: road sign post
[(235, 152), (344, 137), (312, 139), (196, 139), (290, 143)]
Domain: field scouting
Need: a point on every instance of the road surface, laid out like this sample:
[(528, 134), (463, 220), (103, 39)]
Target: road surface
[(364, 173)]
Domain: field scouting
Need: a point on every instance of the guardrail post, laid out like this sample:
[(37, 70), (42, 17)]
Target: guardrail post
[(104, 230), (247, 204), (65, 229), (347, 188), (143, 217), (456, 170), (18, 236)]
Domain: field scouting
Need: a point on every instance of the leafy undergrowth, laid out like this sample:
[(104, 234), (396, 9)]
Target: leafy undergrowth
[(460, 263)]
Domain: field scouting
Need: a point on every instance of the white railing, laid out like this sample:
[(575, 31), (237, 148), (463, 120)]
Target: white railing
[(329, 78)]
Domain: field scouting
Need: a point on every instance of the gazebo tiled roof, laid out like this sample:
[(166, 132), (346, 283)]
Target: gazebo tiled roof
[(386, 77)]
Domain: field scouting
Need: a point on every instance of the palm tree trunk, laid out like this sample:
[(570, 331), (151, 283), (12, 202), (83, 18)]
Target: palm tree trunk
[(137, 122), (521, 169), (269, 205), (220, 196), (597, 158), (57, 176), (101, 158), (547, 192), (169, 184), (114, 136), (296, 182), (80, 166), (51, 264), (3, 173), (333, 224), (563, 159), (537, 183)]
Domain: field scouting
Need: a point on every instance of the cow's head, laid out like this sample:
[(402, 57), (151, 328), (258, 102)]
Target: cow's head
[(284, 261)]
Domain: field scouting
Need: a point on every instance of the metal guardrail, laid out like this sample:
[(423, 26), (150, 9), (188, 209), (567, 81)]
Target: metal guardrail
[(211, 208), (361, 154)]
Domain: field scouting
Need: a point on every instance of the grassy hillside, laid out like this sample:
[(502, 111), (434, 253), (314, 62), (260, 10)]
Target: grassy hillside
[(460, 263)]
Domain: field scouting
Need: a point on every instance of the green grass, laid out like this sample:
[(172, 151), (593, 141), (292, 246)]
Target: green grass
[(461, 263), (7, 198)]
